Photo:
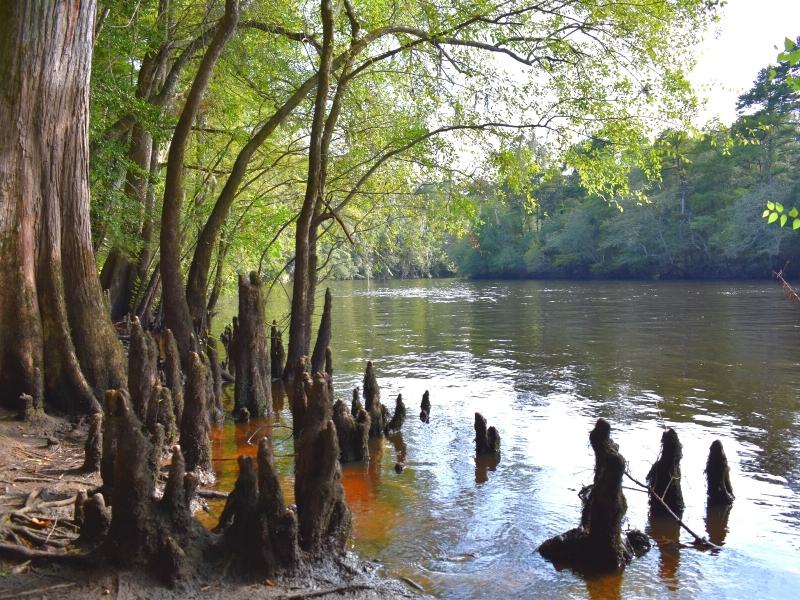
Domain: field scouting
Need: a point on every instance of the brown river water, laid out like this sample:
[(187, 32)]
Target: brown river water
[(542, 361)]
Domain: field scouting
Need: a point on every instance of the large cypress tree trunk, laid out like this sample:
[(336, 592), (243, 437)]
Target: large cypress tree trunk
[(56, 339)]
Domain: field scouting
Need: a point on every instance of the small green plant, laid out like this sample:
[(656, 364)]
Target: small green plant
[(776, 210)]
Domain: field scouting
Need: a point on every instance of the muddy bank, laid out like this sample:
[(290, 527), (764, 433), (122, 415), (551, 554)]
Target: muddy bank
[(41, 472)]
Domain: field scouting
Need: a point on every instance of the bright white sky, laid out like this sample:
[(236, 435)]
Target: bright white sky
[(747, 38)]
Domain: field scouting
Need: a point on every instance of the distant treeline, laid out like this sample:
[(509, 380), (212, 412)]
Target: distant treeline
[(702, 220)]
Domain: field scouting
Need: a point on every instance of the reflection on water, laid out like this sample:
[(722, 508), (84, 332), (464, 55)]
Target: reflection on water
[(541, 361)]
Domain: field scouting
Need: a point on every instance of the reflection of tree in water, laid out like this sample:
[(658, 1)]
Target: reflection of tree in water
[(399, 447), (717, 523), (484, 464), (666, 532), (278, 398), (604, 587)]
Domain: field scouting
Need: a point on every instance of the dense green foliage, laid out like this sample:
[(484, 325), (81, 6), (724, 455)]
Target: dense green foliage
[(432, 91), (701, 219)]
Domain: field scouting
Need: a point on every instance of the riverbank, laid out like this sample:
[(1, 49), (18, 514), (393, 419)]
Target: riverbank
[(40, 477)]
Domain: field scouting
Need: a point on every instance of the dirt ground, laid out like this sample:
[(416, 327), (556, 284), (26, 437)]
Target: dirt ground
[(39, 479)]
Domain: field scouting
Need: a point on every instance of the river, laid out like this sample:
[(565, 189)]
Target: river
[(542, 361)]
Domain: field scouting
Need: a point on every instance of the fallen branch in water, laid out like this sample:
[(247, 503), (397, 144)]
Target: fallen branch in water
[(790, 292), (699, 541)]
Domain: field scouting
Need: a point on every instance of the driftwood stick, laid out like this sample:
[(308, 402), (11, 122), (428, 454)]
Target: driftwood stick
[(23, 553), (206, 493), (40, 590), (700, 541), (345, 589)]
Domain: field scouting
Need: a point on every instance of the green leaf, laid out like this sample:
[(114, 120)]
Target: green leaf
[(770, 205), (794, 213), (772, 217), (765, 213), (783, 220), (779, 207), (796, 224), (788, 44), (772, 74)]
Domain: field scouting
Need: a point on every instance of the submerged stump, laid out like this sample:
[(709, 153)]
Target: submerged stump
[(259, 531), (425, 407), (277, 354), (718, 476), (352, 432), (195, 426), (598, 542), (323, 516), (664, 477), (145, 531), (252, 388), (487, 440), (355, 404), (215, 414), (399, 417), (372, 402)]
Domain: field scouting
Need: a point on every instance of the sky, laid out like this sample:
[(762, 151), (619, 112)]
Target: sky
[(747, 38)]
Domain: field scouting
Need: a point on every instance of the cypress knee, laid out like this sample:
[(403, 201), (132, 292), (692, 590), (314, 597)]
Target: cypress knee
[(323, 516), (252, 388), (718, 476), (665, 475), (372, 401), (598, 542)]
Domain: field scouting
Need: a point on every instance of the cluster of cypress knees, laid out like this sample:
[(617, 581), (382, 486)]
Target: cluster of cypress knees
[(142, 517)]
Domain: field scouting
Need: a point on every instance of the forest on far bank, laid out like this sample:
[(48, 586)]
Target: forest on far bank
[(700, 219)]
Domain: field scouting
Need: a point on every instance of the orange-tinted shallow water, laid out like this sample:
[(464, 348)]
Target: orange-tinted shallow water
[(541, 361)]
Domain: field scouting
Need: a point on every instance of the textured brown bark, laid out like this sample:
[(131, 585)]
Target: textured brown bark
[(425, 407), (300, 325), (176, 309), (195, 427), (323, 516), (487, 441), (277, 354), (355, 404), (260, 533), (145, 531), (142, 369), (93, 448), (665, 475), (395, 425), (216, 289), (598, 542), (172, 374), (352, 432), (55, 336), (253, 385), (323, 336), (372, 401), (216, 413), (718, 476), (121, 270), (298, 397)]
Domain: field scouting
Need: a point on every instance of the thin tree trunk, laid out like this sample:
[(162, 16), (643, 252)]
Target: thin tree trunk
[(176, 310), (299, 325), (56, 339)]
